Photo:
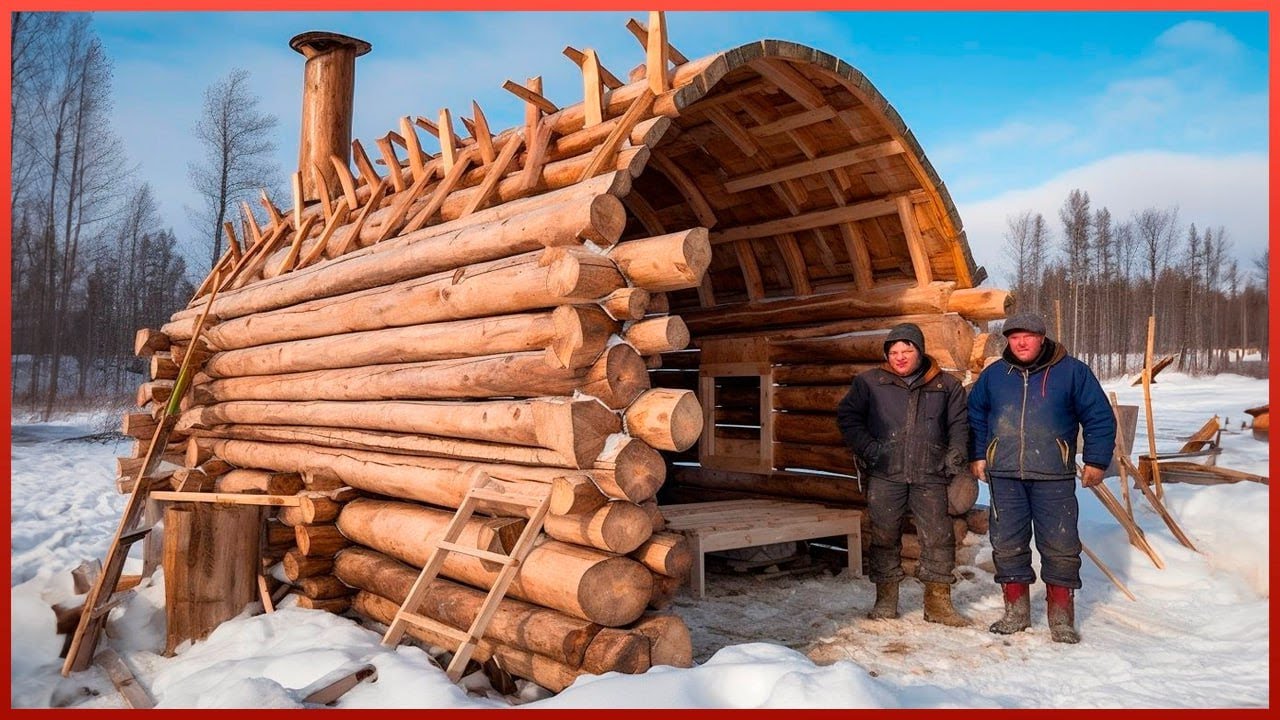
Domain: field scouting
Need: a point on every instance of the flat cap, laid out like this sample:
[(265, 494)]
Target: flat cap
[(1026, 322)]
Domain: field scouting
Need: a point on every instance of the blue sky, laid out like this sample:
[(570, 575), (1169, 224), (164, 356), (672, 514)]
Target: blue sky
[(1013, 109)]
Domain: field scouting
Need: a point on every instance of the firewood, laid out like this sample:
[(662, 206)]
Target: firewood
[(298, 565), (319, 539)]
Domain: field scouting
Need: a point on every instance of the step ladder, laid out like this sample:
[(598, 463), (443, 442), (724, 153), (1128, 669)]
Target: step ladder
[(102, 597), (448, 543)]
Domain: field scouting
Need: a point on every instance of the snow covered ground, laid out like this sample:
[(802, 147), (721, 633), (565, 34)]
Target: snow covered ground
[(1198, 635)]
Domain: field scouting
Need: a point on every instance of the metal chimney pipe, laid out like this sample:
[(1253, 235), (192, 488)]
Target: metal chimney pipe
[(328, 92)]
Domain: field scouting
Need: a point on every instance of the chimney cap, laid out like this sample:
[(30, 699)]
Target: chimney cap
[(321, 41)]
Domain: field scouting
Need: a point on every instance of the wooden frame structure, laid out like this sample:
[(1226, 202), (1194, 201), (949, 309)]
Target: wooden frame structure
[(708, 249)]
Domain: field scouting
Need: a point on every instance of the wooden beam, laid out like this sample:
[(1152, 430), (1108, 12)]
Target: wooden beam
[(750, 269), (479, 129), (645, 213), (251, 223), (797, 269), (322, 189), (347, 180), (610, 80), (790, 81), (417, 160), (123, 679), (821, 218), (448, 144), (427, 125), (392, 162), (536, 159), (687, 188), (855, 245), (641, 33), (792, 122), (592, 92), (811, 167), (297, 199), (531, 96), (915, 242), (364, 165), (317, 250), (494, 174), (233, 245), (352, 237), (657, 54), (274, 212), (441, 192), (228, 498), (290, 259), (734, 131), (607, 149)]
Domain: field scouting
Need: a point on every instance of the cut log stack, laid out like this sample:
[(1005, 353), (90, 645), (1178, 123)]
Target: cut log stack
[(506, 345)]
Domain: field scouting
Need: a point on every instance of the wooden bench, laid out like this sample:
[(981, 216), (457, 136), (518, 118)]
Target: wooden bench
[(728, 524)]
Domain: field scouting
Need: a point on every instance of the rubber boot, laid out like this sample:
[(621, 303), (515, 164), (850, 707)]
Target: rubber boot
[(886, 607), (1017, 610), (1062, 614), (938, 607)]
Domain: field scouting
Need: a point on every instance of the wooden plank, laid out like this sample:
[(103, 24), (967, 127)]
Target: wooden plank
[(439, 194), (322, 190), (531, 95), (687, 188), (604, 154), (392, 162), (792, 122), (448, 142), (641, 33), (790, 81), (738, 135), (849, 213), (274, 212), (750, 269), (797, 269), (364, 165), (493, 175), (352, 237), (657, 54), (317, 250), (812, 167), (347, 181), (480, 131), (228, 498), (124, 680), (915, 243), (592, 90), (333, 685), (417, 161), (610, 80)]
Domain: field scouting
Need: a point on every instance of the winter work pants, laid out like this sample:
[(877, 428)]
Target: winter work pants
[(1049, 510), (887, 502)]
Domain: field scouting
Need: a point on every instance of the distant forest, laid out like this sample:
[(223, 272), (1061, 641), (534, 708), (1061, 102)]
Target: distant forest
[(1098, 279), (92, 258)]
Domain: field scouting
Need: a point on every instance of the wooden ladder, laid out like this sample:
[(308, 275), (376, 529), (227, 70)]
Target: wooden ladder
[(408, 613), (102, 597)]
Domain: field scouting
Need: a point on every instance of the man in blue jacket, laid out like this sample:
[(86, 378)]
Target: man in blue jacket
[(1025, 413)]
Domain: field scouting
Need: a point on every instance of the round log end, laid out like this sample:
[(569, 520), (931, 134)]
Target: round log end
[(615, 591), (667, 419), (608, 218)]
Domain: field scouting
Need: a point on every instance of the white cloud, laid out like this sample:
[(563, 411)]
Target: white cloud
[(1211, 191), (1198, 37)]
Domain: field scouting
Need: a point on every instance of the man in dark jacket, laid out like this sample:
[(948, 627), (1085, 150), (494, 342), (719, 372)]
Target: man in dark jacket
[(906, 421), (1026, 411)]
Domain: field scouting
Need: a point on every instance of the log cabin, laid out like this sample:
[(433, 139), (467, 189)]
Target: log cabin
[(657, 292)]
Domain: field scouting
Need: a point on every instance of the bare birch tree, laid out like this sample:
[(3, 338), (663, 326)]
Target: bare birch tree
[(238, 145)]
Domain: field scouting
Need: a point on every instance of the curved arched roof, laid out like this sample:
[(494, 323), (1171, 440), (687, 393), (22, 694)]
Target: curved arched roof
[(805, 173)]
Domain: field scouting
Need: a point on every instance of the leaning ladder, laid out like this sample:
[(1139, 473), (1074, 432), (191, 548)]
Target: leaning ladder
[(102, 596), (448, 543)]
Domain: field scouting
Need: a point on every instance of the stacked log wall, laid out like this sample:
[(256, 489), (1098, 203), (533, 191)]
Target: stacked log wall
[(507, 347)]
